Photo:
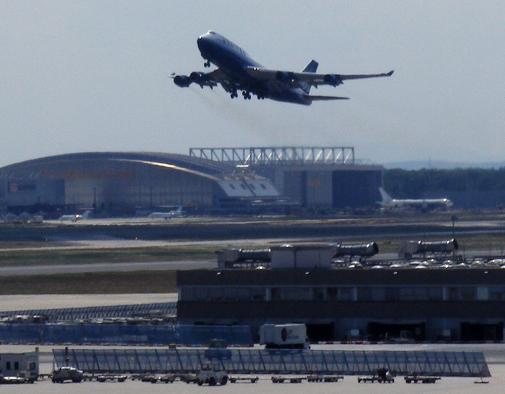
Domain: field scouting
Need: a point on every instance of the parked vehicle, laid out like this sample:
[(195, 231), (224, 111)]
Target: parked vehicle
[(63, 374), (284, 336), (212, 376)]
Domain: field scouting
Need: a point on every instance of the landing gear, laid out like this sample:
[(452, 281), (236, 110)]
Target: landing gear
[(206, 64), (246, 95), (233, 94)]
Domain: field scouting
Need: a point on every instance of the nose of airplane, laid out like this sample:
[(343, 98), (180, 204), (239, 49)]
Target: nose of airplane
[(200, 41)]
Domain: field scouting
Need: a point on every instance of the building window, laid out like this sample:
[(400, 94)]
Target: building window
[(496, 293), (33, 366), (8, 365), (276, 294), (319, 294), (297, 294), (339, 293), (371, 294), (215, 293), (462, 293), (16, 365), (419, 294)]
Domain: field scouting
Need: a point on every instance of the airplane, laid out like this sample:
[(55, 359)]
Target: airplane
[(174, 213), (422, 204), (70, 218), (237, 71)]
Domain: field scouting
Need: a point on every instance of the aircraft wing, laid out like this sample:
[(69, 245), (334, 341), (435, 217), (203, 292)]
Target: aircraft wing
[(209, 79), (313, 79)]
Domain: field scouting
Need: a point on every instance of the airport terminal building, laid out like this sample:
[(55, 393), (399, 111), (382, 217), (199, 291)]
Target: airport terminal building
[(344, 303), (224, 179)]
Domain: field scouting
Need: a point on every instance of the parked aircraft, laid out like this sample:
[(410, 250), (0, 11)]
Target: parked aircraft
[(174, 213), (422, 204), (70, 218), (237, 71)]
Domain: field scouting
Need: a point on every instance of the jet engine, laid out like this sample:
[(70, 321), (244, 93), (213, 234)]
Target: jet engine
[(333, 79), (198, 77), (182, 81)]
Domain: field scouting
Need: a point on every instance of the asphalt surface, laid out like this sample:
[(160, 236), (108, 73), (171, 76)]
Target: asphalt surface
[(55, 301), (105, 267), (350, 385)]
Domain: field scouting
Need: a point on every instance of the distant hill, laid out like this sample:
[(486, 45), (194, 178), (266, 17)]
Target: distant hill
[(442, 165)]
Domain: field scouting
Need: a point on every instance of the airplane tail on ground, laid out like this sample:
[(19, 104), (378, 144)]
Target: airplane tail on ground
[(309, 68), (386, 198)]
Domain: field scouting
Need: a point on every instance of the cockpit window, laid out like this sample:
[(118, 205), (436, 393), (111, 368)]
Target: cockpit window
[(211, 32)]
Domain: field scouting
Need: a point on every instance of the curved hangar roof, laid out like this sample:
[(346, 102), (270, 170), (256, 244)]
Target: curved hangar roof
[(242, 185), (180, 162)]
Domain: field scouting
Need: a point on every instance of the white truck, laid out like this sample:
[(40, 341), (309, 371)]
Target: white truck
[(211, 376), (284, 336)]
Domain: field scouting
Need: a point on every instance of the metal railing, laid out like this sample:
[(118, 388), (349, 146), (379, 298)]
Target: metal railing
[(262, 361), (278, 155), (97, 312)]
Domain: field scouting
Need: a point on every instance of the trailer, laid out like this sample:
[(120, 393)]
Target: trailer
[(282, 336)]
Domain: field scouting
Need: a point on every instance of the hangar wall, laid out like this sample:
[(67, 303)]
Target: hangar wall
[(131, 184), (327, 186), (102, 183)]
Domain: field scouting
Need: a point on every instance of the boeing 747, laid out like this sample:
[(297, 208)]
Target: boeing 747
[(237, 71)]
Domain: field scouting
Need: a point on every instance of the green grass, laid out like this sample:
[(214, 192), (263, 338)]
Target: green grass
[(91, 283), (100, 255), (157, 281)]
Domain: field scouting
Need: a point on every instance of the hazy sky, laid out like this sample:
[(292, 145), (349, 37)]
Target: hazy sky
[(92, 75)]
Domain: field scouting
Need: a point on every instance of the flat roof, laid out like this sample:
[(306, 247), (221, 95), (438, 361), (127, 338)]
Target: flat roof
[(342, 276)]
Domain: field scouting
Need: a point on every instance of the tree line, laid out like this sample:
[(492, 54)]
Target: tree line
[(416, 183)]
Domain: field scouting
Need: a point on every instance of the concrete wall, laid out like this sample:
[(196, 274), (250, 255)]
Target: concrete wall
[(326, 186), (104, 183)]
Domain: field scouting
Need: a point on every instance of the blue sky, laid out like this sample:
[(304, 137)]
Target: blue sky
[(92, 75)]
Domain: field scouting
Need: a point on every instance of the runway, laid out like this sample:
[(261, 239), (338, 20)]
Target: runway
[(28, 270), (56, 301)]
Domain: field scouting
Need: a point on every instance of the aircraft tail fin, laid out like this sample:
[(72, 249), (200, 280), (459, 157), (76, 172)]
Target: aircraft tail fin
[(386, 198), (309, 68), (326, 98)]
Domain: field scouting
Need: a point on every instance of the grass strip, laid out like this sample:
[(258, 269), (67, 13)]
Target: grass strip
[(91, 283)]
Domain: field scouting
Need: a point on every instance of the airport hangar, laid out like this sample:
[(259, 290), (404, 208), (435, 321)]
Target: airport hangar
[(206, 180)]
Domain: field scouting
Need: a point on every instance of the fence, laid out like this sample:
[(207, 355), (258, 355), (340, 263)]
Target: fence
[(262, 361), (95, 312), (122, 334)]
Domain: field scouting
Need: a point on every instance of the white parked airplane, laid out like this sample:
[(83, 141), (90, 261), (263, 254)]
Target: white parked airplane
[(174, 213), (421, 204), (70, 218)]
